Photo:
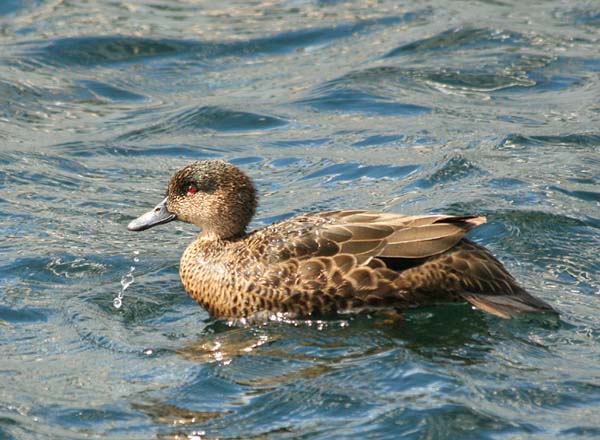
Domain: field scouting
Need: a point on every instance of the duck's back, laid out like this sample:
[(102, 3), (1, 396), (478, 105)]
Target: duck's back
[(333, 261)]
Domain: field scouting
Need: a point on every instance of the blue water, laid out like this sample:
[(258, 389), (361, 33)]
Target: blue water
[(474, 107)]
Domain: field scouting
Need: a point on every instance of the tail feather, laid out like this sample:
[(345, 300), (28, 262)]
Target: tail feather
[(508, 306)]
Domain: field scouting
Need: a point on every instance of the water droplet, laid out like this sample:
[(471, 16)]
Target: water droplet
[(126, 281)]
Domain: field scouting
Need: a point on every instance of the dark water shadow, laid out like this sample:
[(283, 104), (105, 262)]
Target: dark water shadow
[(110, 49), (205, 118), (461, 37)]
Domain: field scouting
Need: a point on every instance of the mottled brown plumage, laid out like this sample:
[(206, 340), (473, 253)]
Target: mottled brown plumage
[(325, 262)]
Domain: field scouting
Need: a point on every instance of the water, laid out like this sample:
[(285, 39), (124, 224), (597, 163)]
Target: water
[(427, 107)]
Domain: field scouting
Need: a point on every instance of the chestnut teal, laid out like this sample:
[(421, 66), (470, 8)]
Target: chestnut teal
[(327, 262)]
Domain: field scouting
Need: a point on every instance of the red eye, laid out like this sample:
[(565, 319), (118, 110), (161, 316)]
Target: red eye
[(192, 189)]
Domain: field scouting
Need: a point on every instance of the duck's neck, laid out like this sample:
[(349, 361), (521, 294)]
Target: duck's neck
[(213, 236)]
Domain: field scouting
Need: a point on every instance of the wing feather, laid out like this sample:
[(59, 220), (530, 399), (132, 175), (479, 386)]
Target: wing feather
[(355, 238)]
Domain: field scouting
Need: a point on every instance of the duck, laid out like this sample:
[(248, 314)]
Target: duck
[(326, 262)]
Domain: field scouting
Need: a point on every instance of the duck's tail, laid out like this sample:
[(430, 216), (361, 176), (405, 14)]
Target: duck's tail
[(509, 306)]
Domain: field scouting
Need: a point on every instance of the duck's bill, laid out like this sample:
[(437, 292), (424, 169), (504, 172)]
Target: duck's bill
[(159, 215)]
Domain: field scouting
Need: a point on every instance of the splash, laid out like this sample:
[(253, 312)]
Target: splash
[(126, 281)]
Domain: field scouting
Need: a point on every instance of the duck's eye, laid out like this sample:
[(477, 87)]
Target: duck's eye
[(192, 189)]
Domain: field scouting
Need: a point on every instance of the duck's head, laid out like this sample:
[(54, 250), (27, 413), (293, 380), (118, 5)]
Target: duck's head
[(212, 194)]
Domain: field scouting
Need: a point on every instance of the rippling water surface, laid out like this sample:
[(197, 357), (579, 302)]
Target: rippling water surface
[(415, 107)]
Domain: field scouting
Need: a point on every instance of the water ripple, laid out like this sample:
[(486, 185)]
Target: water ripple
[(357, 101), (353, 171), (110, 49), (451, 170), (463, 38), (578, 141), (206, 118)]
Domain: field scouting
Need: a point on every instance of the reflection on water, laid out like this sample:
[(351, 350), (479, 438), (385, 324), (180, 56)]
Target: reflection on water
[(413, 108)]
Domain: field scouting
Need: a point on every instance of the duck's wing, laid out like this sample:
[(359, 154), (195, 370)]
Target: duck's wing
[(368, 234), (364, 235), (325, 250)]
